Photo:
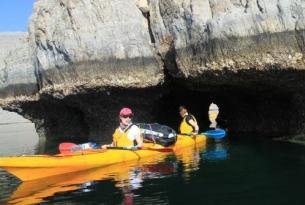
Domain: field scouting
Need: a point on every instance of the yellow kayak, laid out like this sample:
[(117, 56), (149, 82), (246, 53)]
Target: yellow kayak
[(123, 175), (33, 167)]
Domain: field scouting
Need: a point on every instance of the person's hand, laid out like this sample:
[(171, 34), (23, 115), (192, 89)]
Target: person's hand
[(104, 146), (194, 133), (76, 148)]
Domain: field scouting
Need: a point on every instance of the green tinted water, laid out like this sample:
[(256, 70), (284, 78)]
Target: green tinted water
[(230, 172)]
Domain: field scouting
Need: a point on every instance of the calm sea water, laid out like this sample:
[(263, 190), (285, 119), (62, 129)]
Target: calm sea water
[(228, 172)]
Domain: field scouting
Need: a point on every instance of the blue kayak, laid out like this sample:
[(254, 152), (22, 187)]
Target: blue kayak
[(215, 134)]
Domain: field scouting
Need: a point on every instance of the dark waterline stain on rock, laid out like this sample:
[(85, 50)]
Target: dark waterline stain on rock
[(18, 89)]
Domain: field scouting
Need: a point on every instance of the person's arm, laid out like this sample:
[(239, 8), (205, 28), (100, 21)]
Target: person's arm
[(135, 134), (139, 139), (194, 125), (107, 145)]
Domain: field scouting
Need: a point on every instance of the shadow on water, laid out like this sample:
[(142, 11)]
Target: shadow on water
[(254, 172)]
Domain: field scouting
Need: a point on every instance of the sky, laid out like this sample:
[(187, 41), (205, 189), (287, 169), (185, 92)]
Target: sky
[(15, 14)]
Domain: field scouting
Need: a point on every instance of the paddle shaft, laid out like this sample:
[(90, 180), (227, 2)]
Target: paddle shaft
[(144, 148), (190, 135), (67, 147)]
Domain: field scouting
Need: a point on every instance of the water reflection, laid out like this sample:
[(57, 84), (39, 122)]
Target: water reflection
[(216, 151), (127, 178), (190, 158)]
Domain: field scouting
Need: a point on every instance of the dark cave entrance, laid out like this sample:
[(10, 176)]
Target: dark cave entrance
[(245, 112), (249, 112)]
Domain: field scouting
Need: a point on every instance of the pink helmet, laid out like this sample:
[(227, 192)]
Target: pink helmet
[(126, 111)]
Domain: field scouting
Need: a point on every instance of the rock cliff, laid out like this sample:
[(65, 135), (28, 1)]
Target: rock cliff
[(198, 36), (17, 74), (79, 50), (126, 43), (93, 42)]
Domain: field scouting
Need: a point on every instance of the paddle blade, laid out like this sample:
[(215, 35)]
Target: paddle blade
[(66, 147)]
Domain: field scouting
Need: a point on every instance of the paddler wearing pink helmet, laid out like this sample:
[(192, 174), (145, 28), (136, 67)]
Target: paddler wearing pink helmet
[(127, 135)]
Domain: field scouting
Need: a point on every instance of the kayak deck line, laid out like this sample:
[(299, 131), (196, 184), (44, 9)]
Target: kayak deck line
[(31, 167)]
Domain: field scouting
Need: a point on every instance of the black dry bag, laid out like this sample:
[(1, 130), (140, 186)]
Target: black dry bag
[(159, 134)]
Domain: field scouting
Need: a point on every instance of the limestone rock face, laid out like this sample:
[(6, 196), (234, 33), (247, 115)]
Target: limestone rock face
[(97, 42), (17, 75), (81, 54), (204, 35), (143, 5), (117, 43)]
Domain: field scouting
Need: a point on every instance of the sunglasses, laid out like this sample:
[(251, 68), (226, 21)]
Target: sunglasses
[(126, 116)]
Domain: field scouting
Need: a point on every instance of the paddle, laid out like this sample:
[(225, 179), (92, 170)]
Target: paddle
[(165, 149), (68, 148)]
